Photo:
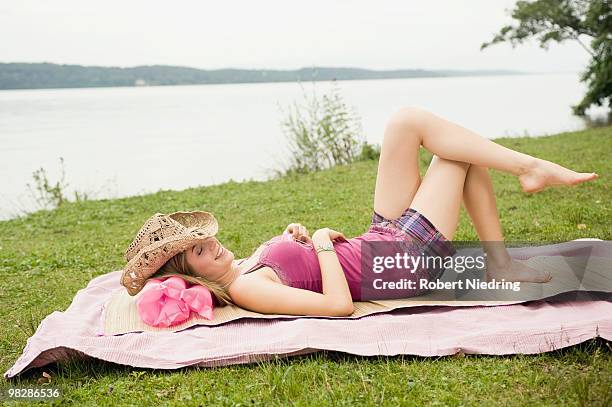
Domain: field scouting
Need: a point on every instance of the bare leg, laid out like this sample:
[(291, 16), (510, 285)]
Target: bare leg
[(454, 142), (398, 175), (439, 197), (479, 201), (440, 194)]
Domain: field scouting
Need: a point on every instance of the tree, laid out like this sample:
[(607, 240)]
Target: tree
[(560, 20)]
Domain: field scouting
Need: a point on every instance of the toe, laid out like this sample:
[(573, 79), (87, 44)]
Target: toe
[(585, 176), (544, 276)]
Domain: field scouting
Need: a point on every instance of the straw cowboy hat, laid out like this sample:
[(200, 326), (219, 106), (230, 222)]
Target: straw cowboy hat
[(161, 237)]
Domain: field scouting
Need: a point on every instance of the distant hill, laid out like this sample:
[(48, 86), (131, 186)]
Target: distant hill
[(46, 75)]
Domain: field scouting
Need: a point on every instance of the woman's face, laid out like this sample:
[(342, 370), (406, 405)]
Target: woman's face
[(209, 259)]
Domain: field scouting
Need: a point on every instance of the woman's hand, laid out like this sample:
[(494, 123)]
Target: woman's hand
[(298, 231), (325, 234)]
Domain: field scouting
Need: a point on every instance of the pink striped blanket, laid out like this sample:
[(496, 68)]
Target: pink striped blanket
[(530, 327)]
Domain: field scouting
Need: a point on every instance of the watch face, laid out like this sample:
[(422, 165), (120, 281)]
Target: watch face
[(326, 245)]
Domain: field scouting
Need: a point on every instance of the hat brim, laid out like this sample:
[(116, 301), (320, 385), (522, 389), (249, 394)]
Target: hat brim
[(199, 226)]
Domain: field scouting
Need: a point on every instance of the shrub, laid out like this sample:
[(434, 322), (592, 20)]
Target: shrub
[(323, 133), (47, 194), (369, 152)]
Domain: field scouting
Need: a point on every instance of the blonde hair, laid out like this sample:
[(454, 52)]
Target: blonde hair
[(178, 265)]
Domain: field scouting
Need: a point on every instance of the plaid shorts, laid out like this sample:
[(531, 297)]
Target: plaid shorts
[(418, 228)]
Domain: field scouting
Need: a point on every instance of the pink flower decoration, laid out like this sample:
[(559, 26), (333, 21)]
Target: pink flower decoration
[(168, 302)]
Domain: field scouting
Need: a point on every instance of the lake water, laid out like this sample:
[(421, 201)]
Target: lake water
[(118, 142)]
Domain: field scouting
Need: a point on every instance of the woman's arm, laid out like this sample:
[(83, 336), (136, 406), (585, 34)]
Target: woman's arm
[(269, 297), (332, 276)]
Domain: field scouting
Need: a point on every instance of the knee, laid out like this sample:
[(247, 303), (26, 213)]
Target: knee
[(450, 163), (408, 118)]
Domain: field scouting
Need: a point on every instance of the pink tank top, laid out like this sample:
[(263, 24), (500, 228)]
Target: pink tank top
[(297, 265)]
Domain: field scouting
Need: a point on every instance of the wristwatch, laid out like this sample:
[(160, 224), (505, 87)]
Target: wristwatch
[(327, 246)]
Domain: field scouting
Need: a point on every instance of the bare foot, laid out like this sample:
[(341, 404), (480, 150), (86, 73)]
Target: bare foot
[(515, 270), (546, 173)]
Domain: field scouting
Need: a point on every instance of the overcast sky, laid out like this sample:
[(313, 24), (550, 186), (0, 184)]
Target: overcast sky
[(274, 34)]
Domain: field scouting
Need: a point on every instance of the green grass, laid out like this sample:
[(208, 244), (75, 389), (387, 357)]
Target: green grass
[(46, 257)]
